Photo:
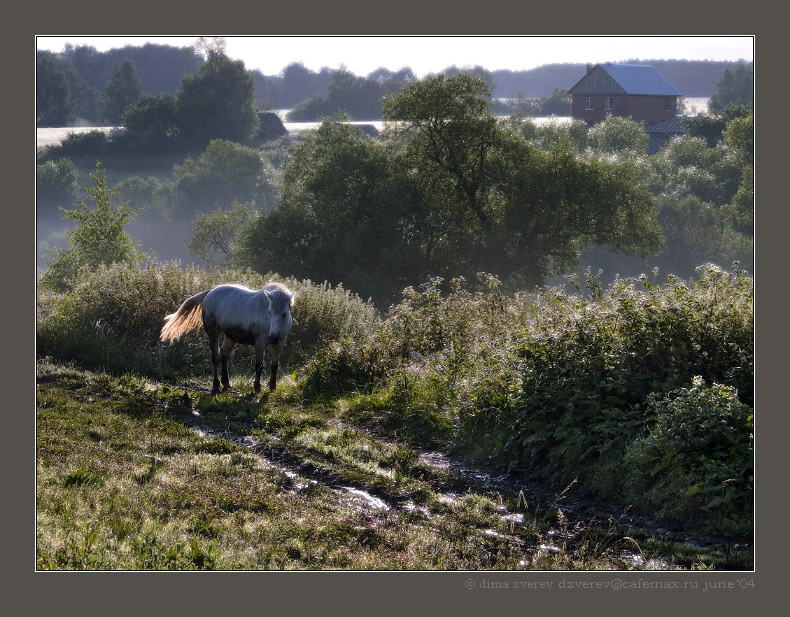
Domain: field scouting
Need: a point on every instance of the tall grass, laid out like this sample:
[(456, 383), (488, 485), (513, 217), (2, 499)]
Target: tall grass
[(598, 386), (112, 318)]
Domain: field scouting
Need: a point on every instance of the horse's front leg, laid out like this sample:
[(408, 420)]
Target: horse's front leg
[(260, 348), (275, 360)]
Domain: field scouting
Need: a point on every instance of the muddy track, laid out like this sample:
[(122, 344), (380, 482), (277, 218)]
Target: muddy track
[(452, 478)]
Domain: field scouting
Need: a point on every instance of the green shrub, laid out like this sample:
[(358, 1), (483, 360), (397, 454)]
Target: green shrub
[(696, 463)]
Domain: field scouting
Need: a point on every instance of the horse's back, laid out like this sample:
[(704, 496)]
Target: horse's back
[(233, 307)]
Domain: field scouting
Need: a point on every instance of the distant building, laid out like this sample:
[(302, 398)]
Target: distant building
[(637, 91), (659, 134)]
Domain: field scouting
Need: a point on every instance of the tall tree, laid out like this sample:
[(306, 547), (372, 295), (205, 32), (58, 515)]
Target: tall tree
[(54, 106), (99, 237), (122, 91), (736, 85), (449, 192), (217, 103)]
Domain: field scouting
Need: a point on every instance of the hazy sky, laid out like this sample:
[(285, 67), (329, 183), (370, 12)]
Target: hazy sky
[(430, 54)]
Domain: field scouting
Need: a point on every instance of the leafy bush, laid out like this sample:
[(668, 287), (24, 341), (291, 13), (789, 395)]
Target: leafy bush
[(697, 459)]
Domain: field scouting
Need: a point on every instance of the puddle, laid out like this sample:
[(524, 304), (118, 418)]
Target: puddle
[(367, 498), (361, 499)]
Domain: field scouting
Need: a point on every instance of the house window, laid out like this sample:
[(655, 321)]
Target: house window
[(588, 103), (608, 103), (667, 103), (650, 149)]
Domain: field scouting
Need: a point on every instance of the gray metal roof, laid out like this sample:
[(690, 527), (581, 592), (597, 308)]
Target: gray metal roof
[(640, 79), (671, 126)]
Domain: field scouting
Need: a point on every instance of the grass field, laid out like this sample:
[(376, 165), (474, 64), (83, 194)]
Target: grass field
[(134, 474)]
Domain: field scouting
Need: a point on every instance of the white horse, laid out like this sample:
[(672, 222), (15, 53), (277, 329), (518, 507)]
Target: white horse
[(246, 317)]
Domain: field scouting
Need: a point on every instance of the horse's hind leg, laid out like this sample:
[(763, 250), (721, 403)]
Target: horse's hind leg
[(213, 343), (227, 347)]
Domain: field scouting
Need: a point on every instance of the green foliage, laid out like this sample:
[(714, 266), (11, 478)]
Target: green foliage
[(553, 135), (345, 213), (224, 173), (122, 91), (616, 134), (592, 364), (562, 386), (54, 105), (112, 317), (99, 238), (217, 103), (558, 104), (56, 185), (696, 461), (710, 126), (736, 85), (359, 97), (693, 228), (150, 122), (216, 232), (447, 192)]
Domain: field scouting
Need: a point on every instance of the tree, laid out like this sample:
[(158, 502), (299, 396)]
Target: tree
[(710, 126), (616, 134), (448, 192), (449, 130), (122, 91), (99, 238), (556, 203), (217, 232), (151, 122), (224, 173), (54, 106), (736, 85), (347, 212), (217, 103), (56, 183)]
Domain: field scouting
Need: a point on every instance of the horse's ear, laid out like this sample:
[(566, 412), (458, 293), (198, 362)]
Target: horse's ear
[(268, 297), (291, 298)]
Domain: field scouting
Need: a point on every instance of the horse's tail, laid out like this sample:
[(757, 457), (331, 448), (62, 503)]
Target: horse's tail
[(188, 316)]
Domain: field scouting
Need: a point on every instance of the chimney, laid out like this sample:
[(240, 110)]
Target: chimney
[(589, 68)]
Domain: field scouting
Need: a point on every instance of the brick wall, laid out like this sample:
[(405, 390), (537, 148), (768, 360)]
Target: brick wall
[(642, 108)]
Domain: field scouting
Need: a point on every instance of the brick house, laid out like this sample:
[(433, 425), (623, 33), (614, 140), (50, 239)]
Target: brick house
[(637, 91)]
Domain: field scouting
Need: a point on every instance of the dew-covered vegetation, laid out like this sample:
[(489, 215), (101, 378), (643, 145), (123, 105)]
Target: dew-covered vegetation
[(636, 395), (443, 402)]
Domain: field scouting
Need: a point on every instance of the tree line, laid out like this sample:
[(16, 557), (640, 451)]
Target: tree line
[(96, 87), (449, 190)]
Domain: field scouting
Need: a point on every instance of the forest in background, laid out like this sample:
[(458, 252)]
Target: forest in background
[(160, 68)]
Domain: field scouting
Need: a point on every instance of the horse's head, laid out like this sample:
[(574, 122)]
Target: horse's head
[(280, 301)]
